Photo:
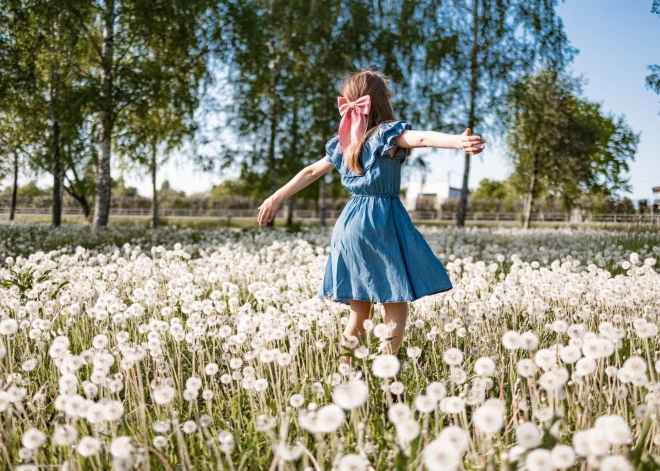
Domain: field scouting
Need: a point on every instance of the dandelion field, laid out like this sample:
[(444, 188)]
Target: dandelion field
[(208, 349)]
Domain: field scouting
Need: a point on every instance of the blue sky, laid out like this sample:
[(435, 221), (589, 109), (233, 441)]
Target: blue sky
[(617, 40)]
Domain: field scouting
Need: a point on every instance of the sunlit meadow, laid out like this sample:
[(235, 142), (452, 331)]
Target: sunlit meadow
[(182, 349)]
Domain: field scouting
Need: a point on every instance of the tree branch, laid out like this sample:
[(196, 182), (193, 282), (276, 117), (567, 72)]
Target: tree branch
[(87, 31), (68, 62), (121, 56)]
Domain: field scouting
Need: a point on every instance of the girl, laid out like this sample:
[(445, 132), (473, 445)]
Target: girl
[(376, 254)]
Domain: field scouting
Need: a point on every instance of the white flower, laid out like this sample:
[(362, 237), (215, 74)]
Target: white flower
[(289, 452), (581, 442), (636, 366), (488, 419), (597, 442), (529, 341), (484, 366), (453, 357), (350, 395), (616, 430), (539, 460), (562, 456), (296, 400), (452, 405), (511, 340), (100, 341), (8, 327), (551, 380), (440, 455), (193, 383), (189, 426), (456, 436), (615, 463), (528, 435), (352, 462), (382, 331), (164, 395), (436, 390), (33, 438), (526, 368), (265, 423), (585, 366), (88, 446), (159, 441), (113, 411), (570, 354), (65, 435), (284, 359), (211, 369), (385, 366), (414, 352), (329, 418), (396, 387), (425, 404), (407, 430), (95, 414), (399, 413), (121, 447)]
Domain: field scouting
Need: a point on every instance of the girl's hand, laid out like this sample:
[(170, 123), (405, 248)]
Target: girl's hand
[(470, 144), (268, 210)]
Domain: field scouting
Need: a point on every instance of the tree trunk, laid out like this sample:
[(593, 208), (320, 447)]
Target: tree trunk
[(474, 83), (14, 191), (80, 198), (531, 194), (154, 199), (272, 64), (82, 201), (322, 184), (292, 156), (289, 211), (57, 161), (102, 207), (322, 205)]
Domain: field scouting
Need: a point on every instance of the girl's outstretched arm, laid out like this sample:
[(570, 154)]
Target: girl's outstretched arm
[(466, 141), (305, 177)]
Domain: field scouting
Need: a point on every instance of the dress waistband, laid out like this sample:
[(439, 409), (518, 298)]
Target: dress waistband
[(373, 196)]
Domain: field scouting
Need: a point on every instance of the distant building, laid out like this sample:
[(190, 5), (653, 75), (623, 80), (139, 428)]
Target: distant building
[(426, 196), (656, 195)]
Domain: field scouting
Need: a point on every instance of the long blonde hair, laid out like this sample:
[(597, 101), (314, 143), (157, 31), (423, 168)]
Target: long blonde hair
[(374, 84)]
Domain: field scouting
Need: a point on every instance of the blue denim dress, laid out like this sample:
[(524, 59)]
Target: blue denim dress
[(376, 254)]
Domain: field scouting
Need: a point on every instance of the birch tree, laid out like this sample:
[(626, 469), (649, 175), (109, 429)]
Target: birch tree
[(497, 42)]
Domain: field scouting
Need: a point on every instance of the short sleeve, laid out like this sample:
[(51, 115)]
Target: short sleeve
[(387, 132), (332, 152)]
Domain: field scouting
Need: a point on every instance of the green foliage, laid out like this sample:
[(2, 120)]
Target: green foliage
[(491, 189), (563, 146), (24, 280), (29, 190)]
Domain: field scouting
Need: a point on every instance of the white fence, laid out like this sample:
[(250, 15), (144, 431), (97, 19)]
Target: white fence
[(310, 215)]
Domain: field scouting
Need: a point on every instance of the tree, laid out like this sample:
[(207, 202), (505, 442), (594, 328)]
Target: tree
[(21, 104), (497, 42), (653, 79), (563, 145), (161, 119), (490, 190), (157, 130), (124, 37)]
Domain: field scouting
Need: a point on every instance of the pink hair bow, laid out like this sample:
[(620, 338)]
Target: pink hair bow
[(353, 122)]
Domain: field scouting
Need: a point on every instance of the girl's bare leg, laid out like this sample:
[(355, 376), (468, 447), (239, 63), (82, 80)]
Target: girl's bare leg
[(396, 315), (360, 312)]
